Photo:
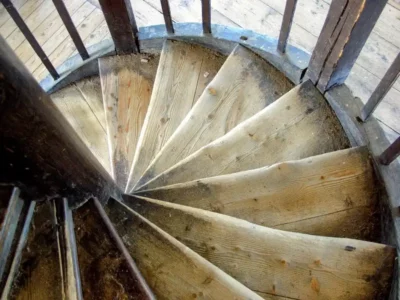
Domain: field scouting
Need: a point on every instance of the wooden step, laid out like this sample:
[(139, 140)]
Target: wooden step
[(245, 85), (298, 125), (179, 83), (172, 270), (274, 262), (39, 273), (126, 83), (103, 269), (332, 194), (82, 105)]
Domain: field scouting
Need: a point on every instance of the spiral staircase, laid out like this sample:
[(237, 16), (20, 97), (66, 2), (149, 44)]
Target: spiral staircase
[(238, 185)]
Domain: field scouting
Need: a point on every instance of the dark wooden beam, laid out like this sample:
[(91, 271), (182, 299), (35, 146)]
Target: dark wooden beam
[(40, 152), (346, 29), (206, 15), (73, 32), (167, 16), (122, 25), (286, 24), (382, 89), (391, 153)]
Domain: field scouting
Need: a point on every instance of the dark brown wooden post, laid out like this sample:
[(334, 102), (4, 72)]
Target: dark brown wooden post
[(39, 151), (122, 25), (346, 29)]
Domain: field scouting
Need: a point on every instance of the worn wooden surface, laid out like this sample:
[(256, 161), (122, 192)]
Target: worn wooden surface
[(81, 104), (288, 192), (176, 89), (104, 272), (172, 270), (298, 125), (126, 83), (39, 275), (264, 16), (244, 85), (275, 262)]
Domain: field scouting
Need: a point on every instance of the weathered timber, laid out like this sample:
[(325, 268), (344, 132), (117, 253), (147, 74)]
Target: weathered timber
[(39, 273), (288, 193), (243, 86), (172, 270), (206, 15), (122, 25), (382, 89), (126, 83), (298, 125), (275, 262), (391, 153), (105, 273), (178, 85), (345, 31), (40, 151), (288, 15), (167, 16)]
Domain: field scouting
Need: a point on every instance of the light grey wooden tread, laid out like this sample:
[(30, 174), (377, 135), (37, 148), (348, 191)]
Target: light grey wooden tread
[(243, 86), (178, 84), (126, 85), (273, 262), (298, 125), (296, 194), (172, 270)]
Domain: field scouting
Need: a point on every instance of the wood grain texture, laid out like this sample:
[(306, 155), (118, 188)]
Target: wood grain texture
[(79, 103), (275, 262), (175, 88), (287, 192), (103, 269), (39, 275), (171, 269), (244, 85), (126, 84), (298, 125)]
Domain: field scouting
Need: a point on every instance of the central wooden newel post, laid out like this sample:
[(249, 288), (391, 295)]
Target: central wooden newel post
[(39, 151), (346, 29)]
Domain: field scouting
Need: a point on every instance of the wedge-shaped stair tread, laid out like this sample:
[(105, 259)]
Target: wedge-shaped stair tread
[(298, 125), (126, 83), (274, 262), (245, 85), (39, 274), (290, 194), (103, 269), (82, 105), (178, 84), (172, 270)]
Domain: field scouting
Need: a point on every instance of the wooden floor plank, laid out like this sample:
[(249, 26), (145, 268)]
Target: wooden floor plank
[(39, 274), (298, 125), (287, 192), (77, 105), (46, 30), (244, 85), (67, 47), (275, 262), (35, 19), (25, 11), (173, 95), (172, 270), (4, 16), (126, 83), (59, 38)]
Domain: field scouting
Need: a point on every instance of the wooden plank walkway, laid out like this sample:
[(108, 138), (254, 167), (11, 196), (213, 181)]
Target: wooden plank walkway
[(263, 16)]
